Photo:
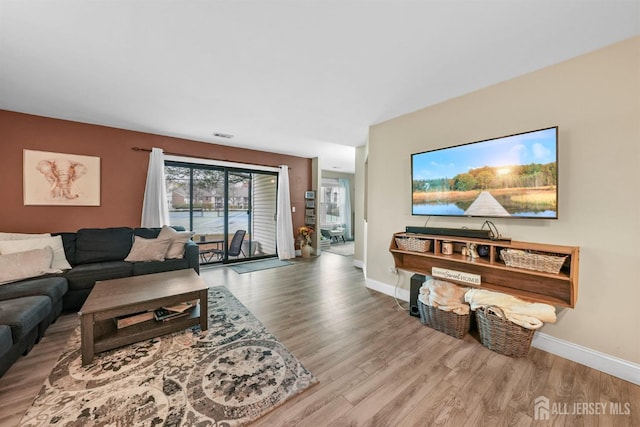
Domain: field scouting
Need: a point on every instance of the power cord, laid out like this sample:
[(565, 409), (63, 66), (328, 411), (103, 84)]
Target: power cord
[(493, 230), (395, 291)]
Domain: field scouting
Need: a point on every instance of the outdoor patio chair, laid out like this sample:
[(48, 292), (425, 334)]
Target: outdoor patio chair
[(235, 247)]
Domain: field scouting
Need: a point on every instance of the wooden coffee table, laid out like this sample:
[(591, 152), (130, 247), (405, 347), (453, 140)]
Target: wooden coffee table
[(129, 295)]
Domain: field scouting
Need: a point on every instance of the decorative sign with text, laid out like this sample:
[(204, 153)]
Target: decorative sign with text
[(460, 276)]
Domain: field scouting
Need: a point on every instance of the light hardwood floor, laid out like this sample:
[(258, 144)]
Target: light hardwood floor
[(376, 364)]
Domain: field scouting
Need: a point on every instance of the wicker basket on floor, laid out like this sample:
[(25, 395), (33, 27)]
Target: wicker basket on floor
[(501, 335), (413, 244), (448, 322)]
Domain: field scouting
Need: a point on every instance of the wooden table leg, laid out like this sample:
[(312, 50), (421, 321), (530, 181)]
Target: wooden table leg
[(204, 309), (86, 338)]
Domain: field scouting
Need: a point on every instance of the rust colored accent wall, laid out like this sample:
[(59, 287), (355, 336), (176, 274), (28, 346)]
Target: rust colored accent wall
[(123, 171)]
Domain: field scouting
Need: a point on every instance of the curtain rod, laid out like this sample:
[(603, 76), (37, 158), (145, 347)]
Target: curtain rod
[(168, 153)]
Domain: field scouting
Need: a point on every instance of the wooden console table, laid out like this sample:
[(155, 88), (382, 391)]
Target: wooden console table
[(559, 289)]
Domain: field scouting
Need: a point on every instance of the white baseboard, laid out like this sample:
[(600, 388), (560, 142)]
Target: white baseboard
[(401, 294), (611, 365), (358, 264)]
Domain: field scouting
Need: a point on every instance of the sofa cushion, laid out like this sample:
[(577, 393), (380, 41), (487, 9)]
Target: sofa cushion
[(55, 242), (25, 265), (6, 342), (148, 249), (103, 244), (69, 244), (53, 286), (85, 276), (24, 314), (159, 267), (153, 232), (147, 233)]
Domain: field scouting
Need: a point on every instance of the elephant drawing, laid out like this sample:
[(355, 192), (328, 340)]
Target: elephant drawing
[(61, 174)]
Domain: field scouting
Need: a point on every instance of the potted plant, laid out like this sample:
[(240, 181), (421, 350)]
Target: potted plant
[(304, 239)]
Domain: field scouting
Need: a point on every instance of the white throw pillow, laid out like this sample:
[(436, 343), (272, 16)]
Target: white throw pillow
[(22, 236), (148, 249), (59, 258), (25, 265), (178, 240)]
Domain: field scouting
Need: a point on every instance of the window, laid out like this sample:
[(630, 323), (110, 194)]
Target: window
[(332, 200)]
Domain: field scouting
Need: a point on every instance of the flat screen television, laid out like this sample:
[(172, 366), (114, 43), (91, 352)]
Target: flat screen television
[(510, 176)]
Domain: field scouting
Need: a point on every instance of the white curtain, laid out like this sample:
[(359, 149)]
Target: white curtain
[(155, 212), (345, 215), (284, 223)]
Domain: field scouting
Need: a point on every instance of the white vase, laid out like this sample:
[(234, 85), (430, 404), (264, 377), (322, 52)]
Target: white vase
[(306, 251)]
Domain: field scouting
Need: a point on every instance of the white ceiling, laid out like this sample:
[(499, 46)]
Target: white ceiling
[(298, 77)]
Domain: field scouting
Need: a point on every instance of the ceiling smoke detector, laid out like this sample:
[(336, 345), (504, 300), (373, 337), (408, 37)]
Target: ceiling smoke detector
[(222, 135)]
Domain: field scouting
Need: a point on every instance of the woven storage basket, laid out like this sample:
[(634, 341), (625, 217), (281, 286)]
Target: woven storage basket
[(502, 335), (413, 244), (448, 322), (532, 261)]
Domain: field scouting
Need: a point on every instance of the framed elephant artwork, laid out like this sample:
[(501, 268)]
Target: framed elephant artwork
[(61, 179)]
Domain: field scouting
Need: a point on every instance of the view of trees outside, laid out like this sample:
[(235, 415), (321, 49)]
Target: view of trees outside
[(208, 199)]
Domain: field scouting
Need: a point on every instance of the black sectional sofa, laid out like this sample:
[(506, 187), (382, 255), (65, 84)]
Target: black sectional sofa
[(28, 307)]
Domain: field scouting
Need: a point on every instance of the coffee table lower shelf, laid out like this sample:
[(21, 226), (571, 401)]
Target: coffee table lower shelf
[(113, 298), (108, 337)]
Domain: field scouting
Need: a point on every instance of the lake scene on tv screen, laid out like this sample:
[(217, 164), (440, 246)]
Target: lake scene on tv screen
[(513, 176)]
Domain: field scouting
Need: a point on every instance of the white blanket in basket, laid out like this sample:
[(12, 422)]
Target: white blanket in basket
[(444, 295), (530, 315)]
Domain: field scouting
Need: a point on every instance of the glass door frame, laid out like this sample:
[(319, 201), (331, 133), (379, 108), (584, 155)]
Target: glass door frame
[(227, 170)]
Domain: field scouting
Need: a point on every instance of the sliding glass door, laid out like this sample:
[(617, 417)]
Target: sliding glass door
[(217, 202)]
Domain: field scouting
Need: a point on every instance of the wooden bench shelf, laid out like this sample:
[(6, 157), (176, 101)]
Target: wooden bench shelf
[(560, 289)]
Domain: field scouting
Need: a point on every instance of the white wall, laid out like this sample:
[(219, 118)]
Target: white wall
[(595, 101), (359, 207)]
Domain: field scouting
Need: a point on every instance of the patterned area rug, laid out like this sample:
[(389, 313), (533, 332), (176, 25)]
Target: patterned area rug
[(228, 376)]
